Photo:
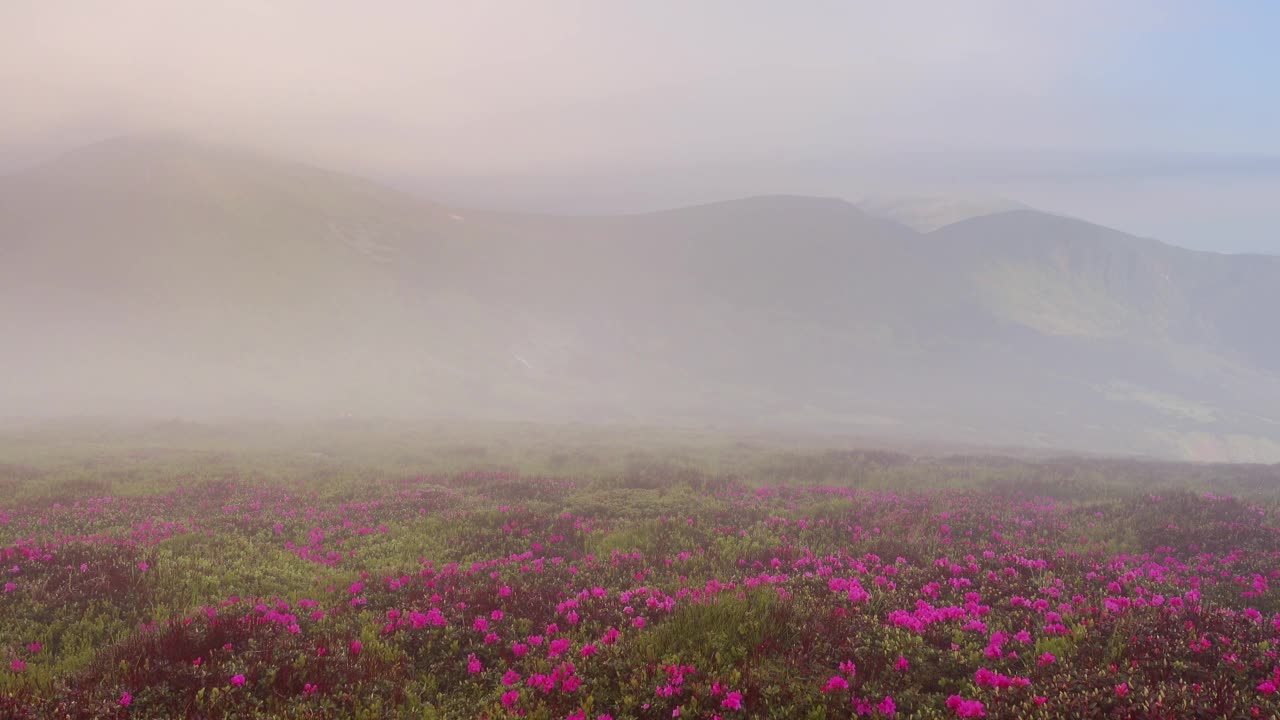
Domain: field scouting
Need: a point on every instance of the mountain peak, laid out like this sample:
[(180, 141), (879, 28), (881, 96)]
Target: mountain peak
[(1037, 223), (171, 163), (926, 213), (780, 204), (136, 147), (793, 202), (152, 157)]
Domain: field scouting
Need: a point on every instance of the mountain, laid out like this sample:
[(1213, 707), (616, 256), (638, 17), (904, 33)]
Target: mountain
[(926, 213), (161, 275)]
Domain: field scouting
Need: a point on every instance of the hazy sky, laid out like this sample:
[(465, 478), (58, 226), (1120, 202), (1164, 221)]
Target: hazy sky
[(600, 106)]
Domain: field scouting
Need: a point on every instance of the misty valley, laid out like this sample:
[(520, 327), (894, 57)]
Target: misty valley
[(156, 275)]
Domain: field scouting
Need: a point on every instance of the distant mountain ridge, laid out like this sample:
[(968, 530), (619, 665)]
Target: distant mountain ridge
[(160, 275), (926, 213)]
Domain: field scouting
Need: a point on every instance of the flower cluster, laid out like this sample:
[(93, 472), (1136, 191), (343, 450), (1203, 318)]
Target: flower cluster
[(491, 595)]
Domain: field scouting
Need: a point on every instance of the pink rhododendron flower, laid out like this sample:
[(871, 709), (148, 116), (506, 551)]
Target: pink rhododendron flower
[(835, 683), (965, 708), (510, 698)]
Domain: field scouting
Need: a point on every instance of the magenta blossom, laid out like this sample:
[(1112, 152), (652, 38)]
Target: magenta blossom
[(966, 708), (835, 683)]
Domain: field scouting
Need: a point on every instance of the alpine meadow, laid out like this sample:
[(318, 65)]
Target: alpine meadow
[(613, 360)]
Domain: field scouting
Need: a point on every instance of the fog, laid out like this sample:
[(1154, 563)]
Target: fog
[(994, 222), (669, 104)]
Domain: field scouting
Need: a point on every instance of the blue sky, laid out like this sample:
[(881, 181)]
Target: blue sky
[(1157, 117), (1202, 79)]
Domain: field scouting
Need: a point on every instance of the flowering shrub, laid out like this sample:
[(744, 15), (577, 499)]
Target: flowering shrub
[(496, 596)]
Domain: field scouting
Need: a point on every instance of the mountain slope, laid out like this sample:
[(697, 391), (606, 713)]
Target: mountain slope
[(149, 269), (161, 275)]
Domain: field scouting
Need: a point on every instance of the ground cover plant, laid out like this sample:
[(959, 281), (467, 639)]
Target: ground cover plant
[(133, 589)]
